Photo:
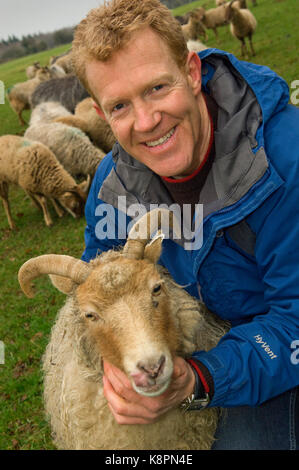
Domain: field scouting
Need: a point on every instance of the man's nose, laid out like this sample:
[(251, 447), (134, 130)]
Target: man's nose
[(146, 117)]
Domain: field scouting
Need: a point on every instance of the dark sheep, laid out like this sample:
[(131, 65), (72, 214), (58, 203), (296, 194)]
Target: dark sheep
[(67, 90)]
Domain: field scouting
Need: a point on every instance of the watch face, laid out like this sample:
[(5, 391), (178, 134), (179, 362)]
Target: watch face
[(192, 404)]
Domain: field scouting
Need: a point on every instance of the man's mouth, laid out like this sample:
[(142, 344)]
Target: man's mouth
[(162, 140)]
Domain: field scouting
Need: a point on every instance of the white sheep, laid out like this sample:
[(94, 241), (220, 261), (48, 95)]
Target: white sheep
[(194, 28), (48, 111), (34, 168), (213, 18), (70, 145), (126, 309), (19, 95), (87, 119), (242, 25)]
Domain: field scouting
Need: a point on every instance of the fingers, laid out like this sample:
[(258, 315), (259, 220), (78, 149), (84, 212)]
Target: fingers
[(124, 411), (129, 407)]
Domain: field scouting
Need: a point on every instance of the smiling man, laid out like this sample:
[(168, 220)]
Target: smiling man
[(215, 131)]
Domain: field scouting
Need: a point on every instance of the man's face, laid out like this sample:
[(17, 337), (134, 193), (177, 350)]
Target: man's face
[(151, 105)]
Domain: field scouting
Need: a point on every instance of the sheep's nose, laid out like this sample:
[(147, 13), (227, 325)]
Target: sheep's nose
[(153, 370)]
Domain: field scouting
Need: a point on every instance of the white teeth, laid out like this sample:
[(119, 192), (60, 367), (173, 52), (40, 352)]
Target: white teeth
[(160, 141)]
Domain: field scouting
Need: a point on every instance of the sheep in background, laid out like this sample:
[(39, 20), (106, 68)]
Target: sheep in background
[(242, 25), (20, 94), (34, 168), (67, 90), (220, 2), (64, 61), (87, 119), (213, 18), (196, 46), (194, 28), (126, 309), (70, 145), (32, 69), (47, 112), (56, 71)]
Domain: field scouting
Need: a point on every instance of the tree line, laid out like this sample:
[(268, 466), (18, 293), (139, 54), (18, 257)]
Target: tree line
[(14, 47)]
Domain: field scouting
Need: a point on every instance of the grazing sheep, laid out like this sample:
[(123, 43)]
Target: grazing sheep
[(34, 168), (20, 94), (32, 69), (126, 309), (70, 145), (213, 18), (87, 119), (67, 90), (194, 28), (242, 25), (64, 61)]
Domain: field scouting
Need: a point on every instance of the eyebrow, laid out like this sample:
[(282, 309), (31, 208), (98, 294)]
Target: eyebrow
[(109, 104)]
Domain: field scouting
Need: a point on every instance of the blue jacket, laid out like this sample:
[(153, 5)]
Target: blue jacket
[(255, 177)]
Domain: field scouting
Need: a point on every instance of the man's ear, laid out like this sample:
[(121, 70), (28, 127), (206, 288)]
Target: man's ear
[(193, 66), (99, 111)]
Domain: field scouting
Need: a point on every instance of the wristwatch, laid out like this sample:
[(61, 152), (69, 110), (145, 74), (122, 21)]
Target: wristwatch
[(199, 398)]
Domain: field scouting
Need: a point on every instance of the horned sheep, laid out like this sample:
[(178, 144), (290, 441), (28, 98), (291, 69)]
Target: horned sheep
[(70, 145), (242, 25), (125, 308), (34, 168)]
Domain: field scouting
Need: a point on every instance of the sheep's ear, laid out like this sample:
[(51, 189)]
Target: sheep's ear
[(63, 284), (152, 251)]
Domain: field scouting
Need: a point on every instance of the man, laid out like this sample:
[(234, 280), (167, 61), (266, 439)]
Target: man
[(219, 132)]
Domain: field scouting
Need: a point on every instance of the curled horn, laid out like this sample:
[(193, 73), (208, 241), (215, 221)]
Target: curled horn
[(140, 233), (61, 265)]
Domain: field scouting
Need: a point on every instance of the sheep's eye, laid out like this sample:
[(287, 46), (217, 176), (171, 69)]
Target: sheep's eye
[(157, 289), (91, 316)]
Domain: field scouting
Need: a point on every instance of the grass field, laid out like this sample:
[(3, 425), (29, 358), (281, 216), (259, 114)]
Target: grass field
[(25, 323)]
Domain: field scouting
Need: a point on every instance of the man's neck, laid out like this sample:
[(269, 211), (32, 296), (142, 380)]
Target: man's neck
[(205, 132)]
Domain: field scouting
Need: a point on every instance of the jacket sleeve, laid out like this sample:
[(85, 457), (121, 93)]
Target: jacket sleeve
[(259, 360)]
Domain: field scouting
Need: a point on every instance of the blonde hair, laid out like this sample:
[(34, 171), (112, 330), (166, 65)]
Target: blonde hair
[(108, 28)]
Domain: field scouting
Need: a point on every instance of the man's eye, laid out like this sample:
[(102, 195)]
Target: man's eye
[(118, 107), (157, 87)]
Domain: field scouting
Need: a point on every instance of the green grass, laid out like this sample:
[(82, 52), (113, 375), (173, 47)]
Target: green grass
[(25, 323)]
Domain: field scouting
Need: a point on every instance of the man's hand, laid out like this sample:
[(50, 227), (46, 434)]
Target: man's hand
[(129, 407)]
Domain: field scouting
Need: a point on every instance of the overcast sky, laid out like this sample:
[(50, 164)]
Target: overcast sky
[(22, 17)]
